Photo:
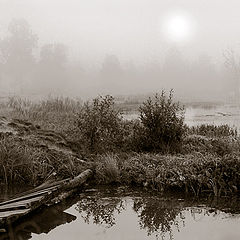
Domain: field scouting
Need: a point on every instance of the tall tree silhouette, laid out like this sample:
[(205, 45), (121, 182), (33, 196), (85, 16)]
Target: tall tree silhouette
[(16, 53), (52, 68)]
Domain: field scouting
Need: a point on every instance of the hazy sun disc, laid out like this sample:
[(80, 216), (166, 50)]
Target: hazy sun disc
[(178, 28)]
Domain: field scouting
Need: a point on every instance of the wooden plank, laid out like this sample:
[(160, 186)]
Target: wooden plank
[(50, 197), (69, 188), (42, 189), (31, 195), (14, 206), (13, 212), (21, 204), (32, 192), (51, 184)]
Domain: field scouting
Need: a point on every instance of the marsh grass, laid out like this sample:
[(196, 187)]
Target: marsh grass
[(23, 162), (211, 130), (107, 169), (192, 173), (204, 159), (57, 114), (218, 146)]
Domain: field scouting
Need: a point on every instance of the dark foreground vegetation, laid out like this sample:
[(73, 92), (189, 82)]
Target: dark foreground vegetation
[(60, 137)]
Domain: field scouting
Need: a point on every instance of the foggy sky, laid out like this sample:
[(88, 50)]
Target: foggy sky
[(120, 47), (129, 29)]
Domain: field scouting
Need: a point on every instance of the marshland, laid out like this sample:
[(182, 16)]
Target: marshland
[(119, 119), (140, 164), (157, 150)]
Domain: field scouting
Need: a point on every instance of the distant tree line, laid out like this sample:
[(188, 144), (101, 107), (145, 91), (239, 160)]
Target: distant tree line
[(26, 67)]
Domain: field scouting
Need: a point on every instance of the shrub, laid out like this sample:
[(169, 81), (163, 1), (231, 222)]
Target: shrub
[(161, 127), (100, 125)]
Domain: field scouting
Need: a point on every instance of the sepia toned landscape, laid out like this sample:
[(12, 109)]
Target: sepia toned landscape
[(119, 119)]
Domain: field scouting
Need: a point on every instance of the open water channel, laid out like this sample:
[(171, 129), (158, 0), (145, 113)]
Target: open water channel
[(124, 213)]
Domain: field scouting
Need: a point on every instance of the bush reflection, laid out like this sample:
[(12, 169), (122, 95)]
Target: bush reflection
[(158, 216)]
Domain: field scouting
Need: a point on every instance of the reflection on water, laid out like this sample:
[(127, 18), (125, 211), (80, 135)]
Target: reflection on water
[(158, 216), (121, 213), (102, 211), (42, 222)]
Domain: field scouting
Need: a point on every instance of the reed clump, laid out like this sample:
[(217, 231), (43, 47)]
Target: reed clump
[(107, 169), (24, 161), (211, 130)]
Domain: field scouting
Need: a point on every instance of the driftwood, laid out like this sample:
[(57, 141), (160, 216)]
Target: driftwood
[(41, 197)]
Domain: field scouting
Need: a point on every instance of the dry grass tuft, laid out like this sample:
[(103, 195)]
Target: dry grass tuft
[(107, 170)]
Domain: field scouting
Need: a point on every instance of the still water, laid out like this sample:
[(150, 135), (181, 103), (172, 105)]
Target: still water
[(123, 213), (217, 115)]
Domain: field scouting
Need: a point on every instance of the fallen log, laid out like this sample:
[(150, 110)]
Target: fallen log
[(79, 180), (72, 184)]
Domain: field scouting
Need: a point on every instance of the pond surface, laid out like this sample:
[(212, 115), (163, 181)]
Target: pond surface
[(122, 213), (218, 115)]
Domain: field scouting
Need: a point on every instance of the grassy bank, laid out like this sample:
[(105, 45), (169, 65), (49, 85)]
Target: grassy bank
[(24, 161), (158, 150), (191, 173)]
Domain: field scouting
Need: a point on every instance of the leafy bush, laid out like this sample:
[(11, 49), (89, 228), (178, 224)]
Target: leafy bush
[(161, 127), (100, 125)]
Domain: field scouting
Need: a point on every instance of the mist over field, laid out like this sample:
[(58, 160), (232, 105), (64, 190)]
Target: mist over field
[(86, 48)]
